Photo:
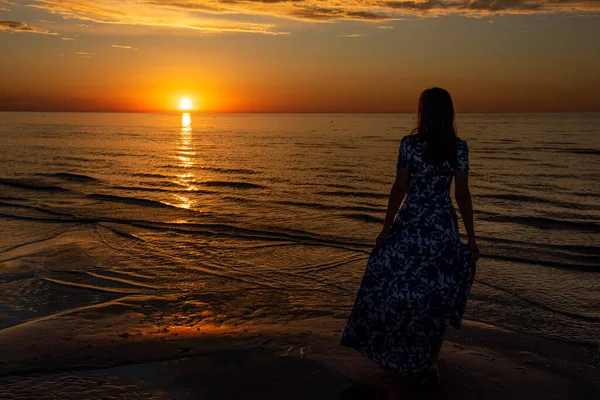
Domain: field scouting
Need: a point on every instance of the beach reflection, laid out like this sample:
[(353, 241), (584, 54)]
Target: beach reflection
[(186, 155)]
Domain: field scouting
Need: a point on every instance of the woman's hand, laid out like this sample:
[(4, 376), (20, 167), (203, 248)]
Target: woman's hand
[(472, 244), (382, 238)]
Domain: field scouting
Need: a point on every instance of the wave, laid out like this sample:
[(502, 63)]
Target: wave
[(506, 158), (35, 208), (544, 263), (364, 218), (160, 176), (333, 170), (562, 215), (584, 249), (535, 199), (538, 304), (340, 193), (129, 200), (321, 206), (70, 158), (77, 285), (162, 190), (146, 189), (312, 145), (230, 170), (264, 233), (12, 198), (267, 234), (338, 186), (330, 185), (160, 184), (542, 223), (72, 177), (120, 233), (16, 277), (507, 140), (31, 185), (237, 199), (560, 143), (574, 150), (235, 185), (580, 194), (594, 152)]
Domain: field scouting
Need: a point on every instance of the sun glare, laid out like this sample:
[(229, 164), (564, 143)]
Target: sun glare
[(185, 104)]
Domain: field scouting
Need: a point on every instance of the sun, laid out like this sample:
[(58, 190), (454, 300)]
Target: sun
[(185, 104)]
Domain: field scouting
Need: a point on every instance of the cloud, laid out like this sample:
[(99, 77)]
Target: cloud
[(318, 13), (385, 27), (194, 15), (83, 53), (118, 46), (249, 16), (352, 35), (488, 7), (15, 26), (7, 2), (67, 38)]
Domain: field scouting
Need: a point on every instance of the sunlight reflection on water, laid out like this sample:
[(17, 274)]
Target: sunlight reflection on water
[(186, 155)]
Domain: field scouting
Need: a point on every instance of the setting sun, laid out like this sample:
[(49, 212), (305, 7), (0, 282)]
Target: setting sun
[(185, 104)]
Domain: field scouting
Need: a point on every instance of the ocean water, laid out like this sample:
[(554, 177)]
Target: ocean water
[(270, 218)]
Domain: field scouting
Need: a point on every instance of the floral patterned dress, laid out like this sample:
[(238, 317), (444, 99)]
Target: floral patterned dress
[(419, 282)]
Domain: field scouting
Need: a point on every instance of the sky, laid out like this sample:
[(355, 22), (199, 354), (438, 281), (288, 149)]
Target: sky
[(359, 56)]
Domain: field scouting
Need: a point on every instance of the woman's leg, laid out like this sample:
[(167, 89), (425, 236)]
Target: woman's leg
[(432, 376), (435, 351)]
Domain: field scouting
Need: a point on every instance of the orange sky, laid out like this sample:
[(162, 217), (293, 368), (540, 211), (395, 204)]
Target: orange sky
[(302, 56)]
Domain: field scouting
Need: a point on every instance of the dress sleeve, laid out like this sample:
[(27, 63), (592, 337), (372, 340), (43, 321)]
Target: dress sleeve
[(403, 154), (463, 156)]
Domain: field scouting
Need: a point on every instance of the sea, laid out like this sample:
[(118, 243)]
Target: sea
[(247, 219)]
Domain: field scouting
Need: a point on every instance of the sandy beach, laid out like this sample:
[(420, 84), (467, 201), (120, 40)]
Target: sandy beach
[(112, 351)]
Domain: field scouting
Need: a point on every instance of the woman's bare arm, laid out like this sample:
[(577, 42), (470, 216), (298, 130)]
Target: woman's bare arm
[(397, 193), (465, 206)]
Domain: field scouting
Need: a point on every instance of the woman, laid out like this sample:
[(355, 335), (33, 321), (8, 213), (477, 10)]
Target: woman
[(419, 276)]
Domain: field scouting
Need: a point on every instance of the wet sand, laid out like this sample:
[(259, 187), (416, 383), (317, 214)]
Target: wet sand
[(113, 351)]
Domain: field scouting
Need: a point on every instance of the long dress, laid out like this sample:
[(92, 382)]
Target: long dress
[(419, 282)]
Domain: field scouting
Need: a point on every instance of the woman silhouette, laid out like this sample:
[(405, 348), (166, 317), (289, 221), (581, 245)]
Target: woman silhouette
[(419, 275)]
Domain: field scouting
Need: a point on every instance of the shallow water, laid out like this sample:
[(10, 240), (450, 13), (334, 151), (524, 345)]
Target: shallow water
[(244, 218)]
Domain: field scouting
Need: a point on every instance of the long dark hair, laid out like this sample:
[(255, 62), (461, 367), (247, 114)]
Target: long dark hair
[(436, 126)]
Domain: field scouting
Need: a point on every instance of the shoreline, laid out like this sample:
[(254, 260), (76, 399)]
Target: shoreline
[(69, 354)]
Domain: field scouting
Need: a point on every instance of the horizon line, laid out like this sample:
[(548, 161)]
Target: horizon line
[(287, 112)]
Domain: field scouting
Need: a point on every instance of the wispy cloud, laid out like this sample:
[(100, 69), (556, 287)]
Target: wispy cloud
[(16, 26), (385, 27), (215, 16), (487, 7), (308, 12), (83, 53), (186, 14), (67, 38), (352, 35), (7, 2), (118, 46)]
